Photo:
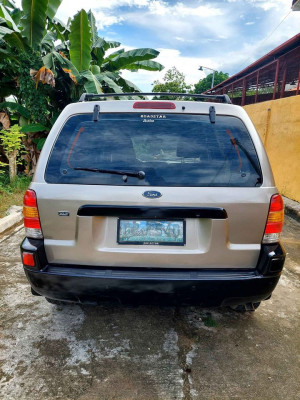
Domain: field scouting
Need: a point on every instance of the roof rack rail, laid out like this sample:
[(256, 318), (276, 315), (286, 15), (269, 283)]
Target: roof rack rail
[(224, 98)]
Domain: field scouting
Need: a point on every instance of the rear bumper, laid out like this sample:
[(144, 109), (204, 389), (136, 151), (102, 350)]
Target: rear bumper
[(204, 287)]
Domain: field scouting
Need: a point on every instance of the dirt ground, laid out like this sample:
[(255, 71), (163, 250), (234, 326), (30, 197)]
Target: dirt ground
[(145, 353)]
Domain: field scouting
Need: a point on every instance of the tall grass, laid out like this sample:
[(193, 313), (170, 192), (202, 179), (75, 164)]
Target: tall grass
[(11, 193)]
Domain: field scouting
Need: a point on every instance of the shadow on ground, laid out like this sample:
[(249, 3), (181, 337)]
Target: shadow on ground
[(148, 352)]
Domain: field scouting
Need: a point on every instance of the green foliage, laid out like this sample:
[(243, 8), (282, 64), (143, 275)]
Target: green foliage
[(148, 65), (34, 20), (39, 143), (205, 84), (110, 82), (209, 321), (10, 22), (15, 40), (94, 30), (33, 128), (4, 31), (128, 57), (15, 107), (78, 63), (11, 139), (12, 193), (2, 167), (34, 99), (8, 3), (92, 84), (80, 41), (52, 8), (174, 81), (20, 183), (29, 54)]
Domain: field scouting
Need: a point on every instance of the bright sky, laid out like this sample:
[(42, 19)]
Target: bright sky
[(222, 34)]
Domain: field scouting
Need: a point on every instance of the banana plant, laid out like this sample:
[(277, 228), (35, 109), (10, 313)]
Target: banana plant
[(46, 64), (81, 61), (22, 31), (85, 56)]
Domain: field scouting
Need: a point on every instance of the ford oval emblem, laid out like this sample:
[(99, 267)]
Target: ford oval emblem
[(152, 194)]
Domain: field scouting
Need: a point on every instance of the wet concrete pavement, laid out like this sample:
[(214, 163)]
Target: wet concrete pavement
[(115, 352)]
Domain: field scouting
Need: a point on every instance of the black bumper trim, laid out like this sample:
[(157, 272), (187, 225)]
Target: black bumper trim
[(151, 274), (205, 287), (207, 290)]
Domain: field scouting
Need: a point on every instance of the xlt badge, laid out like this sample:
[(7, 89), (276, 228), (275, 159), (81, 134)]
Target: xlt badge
[(63, 213)]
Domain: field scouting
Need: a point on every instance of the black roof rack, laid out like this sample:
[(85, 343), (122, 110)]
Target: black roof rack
[(224, 98)]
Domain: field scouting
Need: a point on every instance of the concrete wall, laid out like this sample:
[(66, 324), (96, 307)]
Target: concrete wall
[(278, 123)]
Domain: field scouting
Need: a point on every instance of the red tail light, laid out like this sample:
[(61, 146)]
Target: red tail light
[(275, 220), (157, 105), (31, 216), (28, 259)]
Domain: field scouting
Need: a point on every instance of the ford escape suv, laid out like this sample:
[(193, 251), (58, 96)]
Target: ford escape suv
[(148, 199)]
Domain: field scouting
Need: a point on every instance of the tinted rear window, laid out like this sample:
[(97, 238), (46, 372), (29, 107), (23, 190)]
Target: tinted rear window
[(172, 150)]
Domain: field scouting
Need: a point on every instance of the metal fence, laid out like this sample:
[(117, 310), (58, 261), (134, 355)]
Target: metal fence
[(272, 77)]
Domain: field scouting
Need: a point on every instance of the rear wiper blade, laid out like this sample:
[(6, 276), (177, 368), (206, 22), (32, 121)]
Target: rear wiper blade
[(137, 174)]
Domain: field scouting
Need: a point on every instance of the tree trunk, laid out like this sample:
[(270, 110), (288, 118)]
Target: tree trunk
[(12, 159)]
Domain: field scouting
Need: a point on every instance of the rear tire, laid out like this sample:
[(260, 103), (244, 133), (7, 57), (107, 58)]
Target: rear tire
[(248, 307)]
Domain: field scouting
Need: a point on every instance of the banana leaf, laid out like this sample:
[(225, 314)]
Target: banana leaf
[(48, 40), (127, 86), (15, 39), (129, 57), (148, 65), (92, 85), (111, 44), (15, 107), (100, 47), (56, 29), (52, 8), (109, 82), (9, 21), (80, 41), (6, 55), (16, 15), (4, 30), (113, 55), (34, 20), (92, 21), (8, 3), (95, 69), (34, 128), (63, 62)]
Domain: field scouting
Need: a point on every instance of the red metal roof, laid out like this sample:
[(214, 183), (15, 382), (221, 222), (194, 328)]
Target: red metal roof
[(271, 56)]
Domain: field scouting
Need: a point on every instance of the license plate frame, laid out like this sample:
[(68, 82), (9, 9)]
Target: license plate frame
[(169, 239)]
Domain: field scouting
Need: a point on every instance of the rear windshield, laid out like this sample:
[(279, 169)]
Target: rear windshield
[(171, 150)]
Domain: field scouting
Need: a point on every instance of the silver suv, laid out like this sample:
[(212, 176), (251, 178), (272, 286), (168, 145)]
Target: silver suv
[(151, 199)]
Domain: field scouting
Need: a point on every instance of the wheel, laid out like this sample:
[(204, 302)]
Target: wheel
[(246, 307)]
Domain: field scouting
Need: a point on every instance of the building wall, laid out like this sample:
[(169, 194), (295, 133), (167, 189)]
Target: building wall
[(278, 123)]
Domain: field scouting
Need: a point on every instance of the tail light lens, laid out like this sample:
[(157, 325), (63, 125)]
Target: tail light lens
[(275, 220), (31, 216), (28, 259)]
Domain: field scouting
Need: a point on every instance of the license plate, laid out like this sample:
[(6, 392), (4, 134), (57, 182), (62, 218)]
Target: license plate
[(151, 232)]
